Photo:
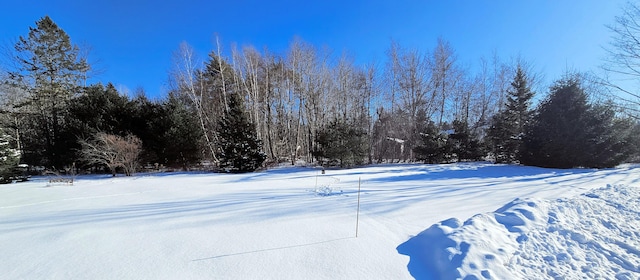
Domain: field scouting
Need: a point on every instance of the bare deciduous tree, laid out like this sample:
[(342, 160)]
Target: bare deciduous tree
[(290, 97), (489, 86), (113, 151), (623, 62), (187, 80), (410, 87), (446, 76)]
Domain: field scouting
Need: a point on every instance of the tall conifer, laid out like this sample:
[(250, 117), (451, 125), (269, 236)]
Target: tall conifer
[(50, 69), (507, 128), (568, 131), (239, 150)]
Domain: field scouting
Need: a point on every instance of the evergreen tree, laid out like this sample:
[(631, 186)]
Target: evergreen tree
[(501, 139), (169, 132), (558, 135), (463, 143), (50, 70), (99, 109), (433, 147), (569, 132), (613, 139), (239, 150), (341, 143), (507, 127), (9, 158), (181, 145), (146, 120)]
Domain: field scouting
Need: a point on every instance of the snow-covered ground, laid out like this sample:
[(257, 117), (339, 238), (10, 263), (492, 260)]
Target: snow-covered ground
[(295, 223)]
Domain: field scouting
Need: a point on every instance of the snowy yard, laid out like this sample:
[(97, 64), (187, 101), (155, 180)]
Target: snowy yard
[(418, 221)]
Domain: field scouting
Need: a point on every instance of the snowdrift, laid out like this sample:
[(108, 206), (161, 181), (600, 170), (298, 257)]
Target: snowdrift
[(592, 236)]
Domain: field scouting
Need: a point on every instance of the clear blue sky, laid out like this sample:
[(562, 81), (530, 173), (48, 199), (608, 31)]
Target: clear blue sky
[(133, 40)]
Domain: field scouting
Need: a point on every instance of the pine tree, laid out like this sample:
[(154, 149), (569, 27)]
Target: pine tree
[(50, 70), (239, 150), (433, 147), (99, 109), (463, 143), (9, 158), (341, 143), (567, 131), (507, 128), (182, 135), (614, 139)]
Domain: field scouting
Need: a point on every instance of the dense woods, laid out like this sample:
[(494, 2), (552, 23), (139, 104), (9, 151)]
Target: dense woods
[(249, 109)]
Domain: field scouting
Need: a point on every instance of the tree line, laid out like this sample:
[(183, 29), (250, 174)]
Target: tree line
[(250, 109)]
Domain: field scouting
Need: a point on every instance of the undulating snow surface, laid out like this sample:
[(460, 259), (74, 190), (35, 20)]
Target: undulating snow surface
[(295, 223), (594, 236)]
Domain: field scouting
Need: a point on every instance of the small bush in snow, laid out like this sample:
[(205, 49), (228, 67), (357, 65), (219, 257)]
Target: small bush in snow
[(326, 191)]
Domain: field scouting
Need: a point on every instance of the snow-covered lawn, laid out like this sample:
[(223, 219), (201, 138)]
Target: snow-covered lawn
[(295, 223)]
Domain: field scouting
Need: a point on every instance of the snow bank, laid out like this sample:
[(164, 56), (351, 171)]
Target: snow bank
[(591, 236)]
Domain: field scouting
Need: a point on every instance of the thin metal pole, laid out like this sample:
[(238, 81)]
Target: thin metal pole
[(358, 211)]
